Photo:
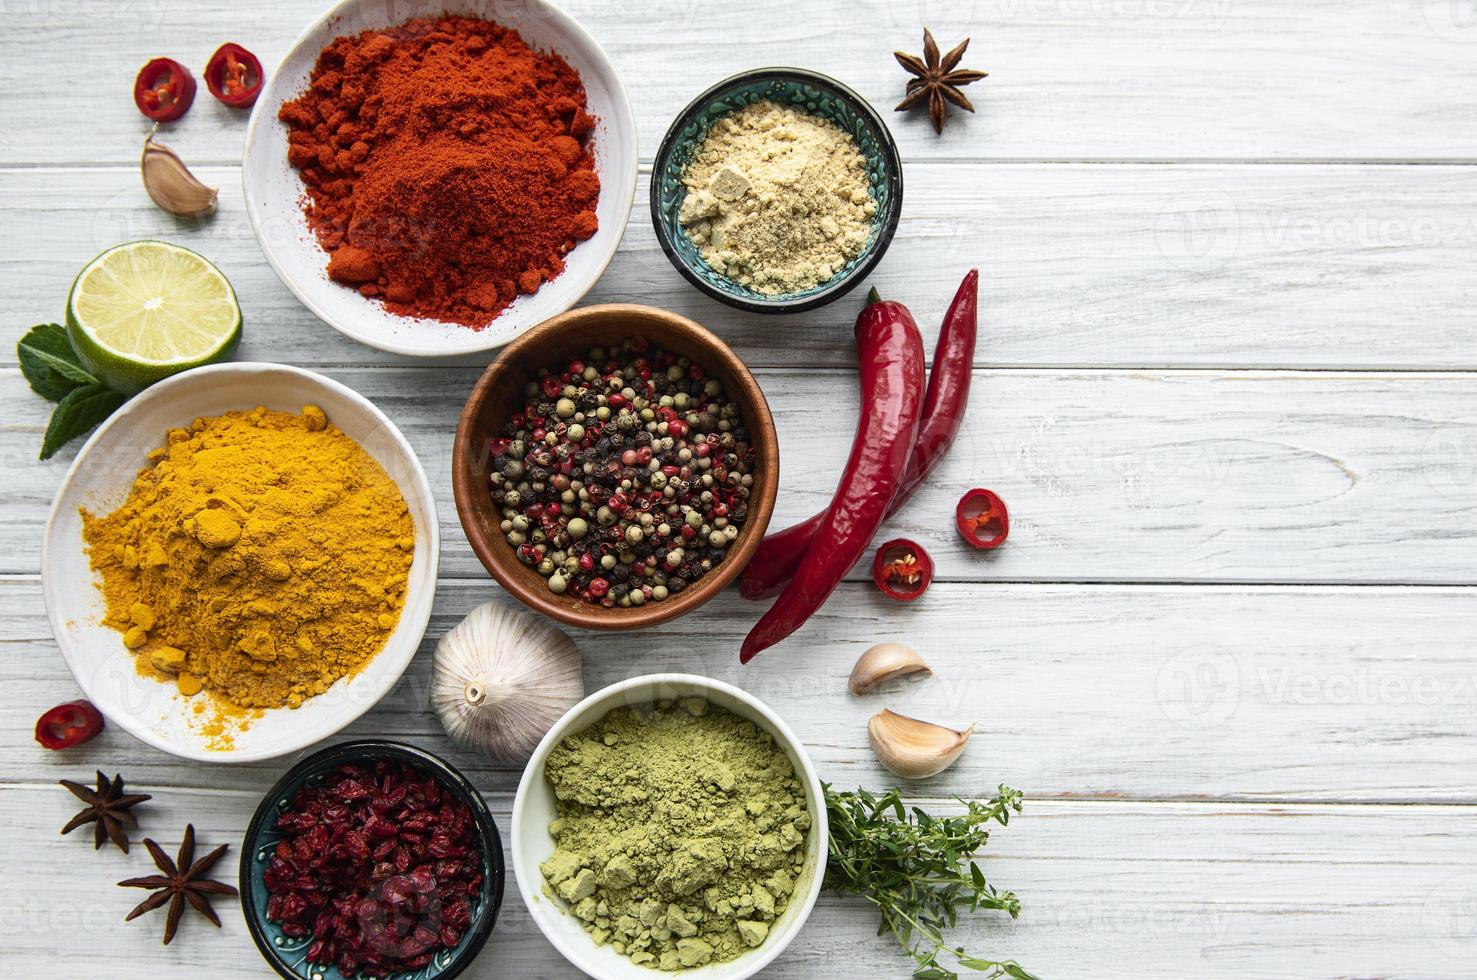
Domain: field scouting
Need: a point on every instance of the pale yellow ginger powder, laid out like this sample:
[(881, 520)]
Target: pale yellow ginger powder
[(777, 199)]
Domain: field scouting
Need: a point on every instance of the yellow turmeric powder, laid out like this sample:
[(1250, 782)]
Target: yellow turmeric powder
[(260, 556)]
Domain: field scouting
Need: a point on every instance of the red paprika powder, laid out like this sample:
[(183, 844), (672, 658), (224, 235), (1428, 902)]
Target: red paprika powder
[(447, 165)]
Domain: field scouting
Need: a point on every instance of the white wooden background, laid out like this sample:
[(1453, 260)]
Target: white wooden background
[(1225, 381)]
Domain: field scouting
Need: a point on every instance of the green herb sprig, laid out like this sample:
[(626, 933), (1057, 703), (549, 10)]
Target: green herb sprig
[(56, 373), (908, 864)]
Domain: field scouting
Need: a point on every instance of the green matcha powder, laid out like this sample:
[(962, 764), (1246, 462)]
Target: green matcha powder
[(680, 834)]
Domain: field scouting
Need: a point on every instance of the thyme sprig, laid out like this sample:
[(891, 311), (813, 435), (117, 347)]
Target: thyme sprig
[(907, 863)]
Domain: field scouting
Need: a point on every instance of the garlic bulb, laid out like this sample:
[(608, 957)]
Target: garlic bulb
[(914, 749), (501, 679), (170, 183), (882, 663)]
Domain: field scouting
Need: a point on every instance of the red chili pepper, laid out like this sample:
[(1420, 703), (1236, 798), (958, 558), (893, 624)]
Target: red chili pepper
[(69, 724), (234, 75), (902, 570), (890, 356), (944, 404), (982, 519), (164, 89)]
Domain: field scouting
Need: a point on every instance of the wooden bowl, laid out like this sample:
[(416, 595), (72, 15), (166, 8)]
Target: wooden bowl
[(499, 392)]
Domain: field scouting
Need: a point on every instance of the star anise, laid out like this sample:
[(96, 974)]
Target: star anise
[(180, 883), (108, 808), (939, 79)]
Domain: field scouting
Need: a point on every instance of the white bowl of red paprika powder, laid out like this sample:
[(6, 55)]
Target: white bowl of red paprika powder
[(414, 191)]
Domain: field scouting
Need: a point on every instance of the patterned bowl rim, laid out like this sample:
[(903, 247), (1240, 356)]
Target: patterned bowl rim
[(494, 866), (839, 286)]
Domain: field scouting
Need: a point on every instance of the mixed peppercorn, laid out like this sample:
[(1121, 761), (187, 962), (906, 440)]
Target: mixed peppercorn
[(626, 476)]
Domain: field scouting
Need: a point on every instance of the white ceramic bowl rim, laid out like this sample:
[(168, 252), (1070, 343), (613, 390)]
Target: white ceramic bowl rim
[(530, 880), (415, 616), (431, 338)]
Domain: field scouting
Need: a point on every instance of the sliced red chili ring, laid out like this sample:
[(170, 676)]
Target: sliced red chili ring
[(982, 519), (902, 569), (68, 724), (164, 89), (234, 75)]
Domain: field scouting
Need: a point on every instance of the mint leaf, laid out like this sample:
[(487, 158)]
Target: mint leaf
[(49, 363), (80, 410)]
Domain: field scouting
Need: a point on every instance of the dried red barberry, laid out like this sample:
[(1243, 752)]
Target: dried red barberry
[(379, 865)]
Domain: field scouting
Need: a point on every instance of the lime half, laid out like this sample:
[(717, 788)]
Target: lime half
[(145, 310)]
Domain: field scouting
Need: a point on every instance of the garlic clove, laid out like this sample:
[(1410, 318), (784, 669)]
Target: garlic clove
[(883, 662), (914, 749), (171, 185), (501, 679)]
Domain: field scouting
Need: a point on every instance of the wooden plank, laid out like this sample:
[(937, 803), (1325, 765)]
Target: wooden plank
[(1111, 477), (1177, 890), (1084, 266), (1282, 694), (1078, 79)]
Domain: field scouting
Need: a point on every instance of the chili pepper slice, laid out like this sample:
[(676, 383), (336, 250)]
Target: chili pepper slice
[(902, 569), (982, 519), (234, 75), (68, 724), (164, 89), (890, 356), (944, 404)]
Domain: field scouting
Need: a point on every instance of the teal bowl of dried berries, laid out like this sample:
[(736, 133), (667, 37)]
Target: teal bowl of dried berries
[(371, 858), (776, 190)]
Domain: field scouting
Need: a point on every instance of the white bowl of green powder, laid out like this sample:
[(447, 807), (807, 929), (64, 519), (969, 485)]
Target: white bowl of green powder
[(669, 823)]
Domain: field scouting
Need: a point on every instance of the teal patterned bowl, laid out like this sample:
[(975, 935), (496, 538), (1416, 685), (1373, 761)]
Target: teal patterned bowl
[(288, 956), (805, 90)]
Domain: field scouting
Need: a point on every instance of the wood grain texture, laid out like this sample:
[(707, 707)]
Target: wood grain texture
[(1069, 79), (1275, 694), (1110, 477), (1227, 381), (1109, 891), (1083, 266)]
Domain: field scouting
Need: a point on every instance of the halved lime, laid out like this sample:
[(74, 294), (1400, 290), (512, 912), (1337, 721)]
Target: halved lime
[(142, 311)]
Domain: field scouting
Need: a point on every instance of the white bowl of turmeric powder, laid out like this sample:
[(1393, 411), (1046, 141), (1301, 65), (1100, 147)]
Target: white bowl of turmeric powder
[(670, 823), (241, 561)]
